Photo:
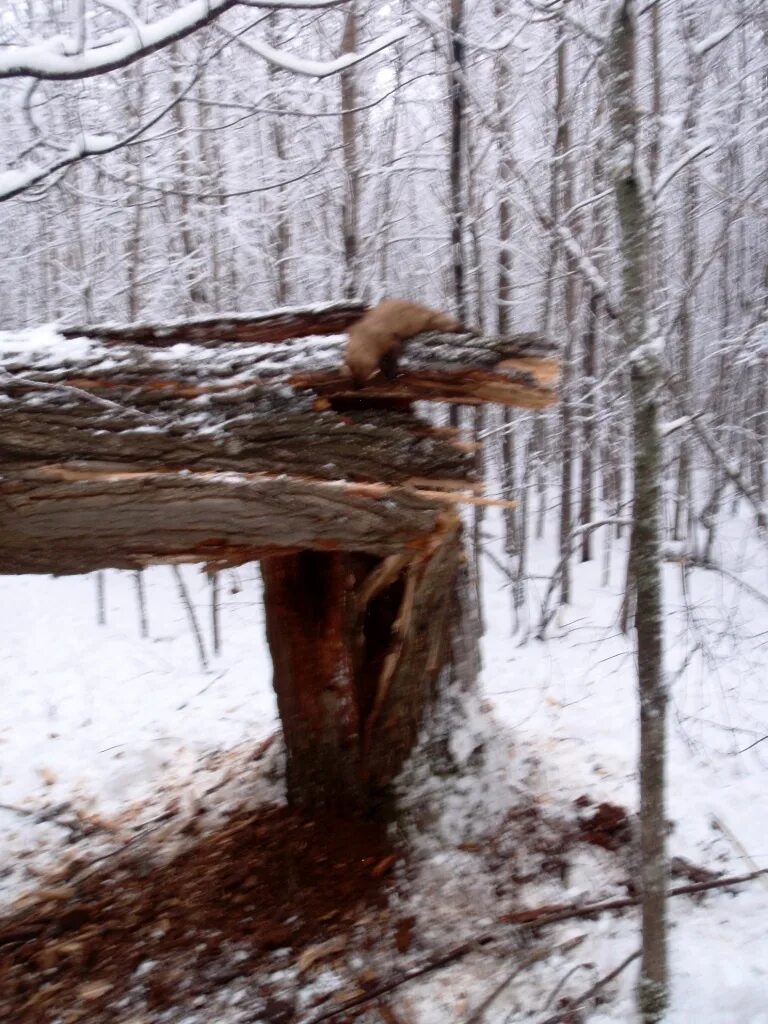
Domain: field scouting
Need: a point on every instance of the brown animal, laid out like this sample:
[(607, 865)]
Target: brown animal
[(376, 338)]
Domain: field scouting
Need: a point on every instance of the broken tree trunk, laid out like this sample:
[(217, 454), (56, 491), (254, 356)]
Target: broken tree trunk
[(358, 647), (223, 441)]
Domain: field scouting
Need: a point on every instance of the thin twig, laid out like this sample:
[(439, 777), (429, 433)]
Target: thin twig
[(403, 977), (554, 914), (534, 957), (558, 1017), (738, 845), (42, 385), (536, 918), (751, 745), (186, 601)]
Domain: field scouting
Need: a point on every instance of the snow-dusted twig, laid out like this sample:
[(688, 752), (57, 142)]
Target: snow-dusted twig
[(751, 745), (15, 181), (321, 68), (717, 454), (534, 957), (104, 403), (674, 169), (714, 39), (536, 918), (737, 844), (688, 558), (547, 613), (591, 992)]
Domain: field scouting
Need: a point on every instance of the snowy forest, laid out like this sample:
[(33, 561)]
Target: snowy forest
[(580, 833)]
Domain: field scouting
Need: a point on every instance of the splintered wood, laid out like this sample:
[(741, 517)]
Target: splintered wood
[(227, 439)]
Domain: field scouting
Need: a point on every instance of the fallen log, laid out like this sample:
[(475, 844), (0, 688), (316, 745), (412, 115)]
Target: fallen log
[(520, 370), (253, 431), (276, 325), (74, 519)]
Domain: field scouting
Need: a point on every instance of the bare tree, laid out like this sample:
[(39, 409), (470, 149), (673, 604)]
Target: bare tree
[(636, 229)]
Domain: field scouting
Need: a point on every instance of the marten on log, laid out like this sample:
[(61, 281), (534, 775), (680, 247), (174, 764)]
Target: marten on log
[(376, 338)]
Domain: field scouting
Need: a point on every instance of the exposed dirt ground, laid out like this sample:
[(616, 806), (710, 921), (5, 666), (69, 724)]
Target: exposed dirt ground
[(144, 934), (245, 921)]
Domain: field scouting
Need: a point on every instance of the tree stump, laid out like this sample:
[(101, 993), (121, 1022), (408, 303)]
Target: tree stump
[(359, 645)]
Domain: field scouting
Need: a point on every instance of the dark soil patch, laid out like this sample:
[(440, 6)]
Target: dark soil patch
[(136, 937)]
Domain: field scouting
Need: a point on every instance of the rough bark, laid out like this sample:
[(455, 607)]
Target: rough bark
[(563, 205), (274, 326), (456, 90), (58, 519), (458, 116), (520, 370), (248, 432), (358, 645)]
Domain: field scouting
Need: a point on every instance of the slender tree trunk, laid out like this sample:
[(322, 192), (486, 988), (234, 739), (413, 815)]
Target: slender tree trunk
[(350, 128), (514, 533), (588, 411), (281, 232), (690, 244), (197, 296), (635, 221), (563, 203), (458, 115)]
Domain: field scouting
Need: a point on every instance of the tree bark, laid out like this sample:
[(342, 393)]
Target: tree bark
[(350, 213), (358, 647), (521, 370), (563, 204), (635, 221)]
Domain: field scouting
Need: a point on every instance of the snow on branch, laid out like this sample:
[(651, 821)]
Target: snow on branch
[(19, 179), (714, 39), (52, 59), (322, 68), (674, 169)]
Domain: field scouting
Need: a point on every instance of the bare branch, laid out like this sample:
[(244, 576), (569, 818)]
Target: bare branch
[(688, 157), (51, 61)]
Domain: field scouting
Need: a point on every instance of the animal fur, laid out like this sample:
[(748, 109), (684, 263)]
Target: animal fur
[(376, 339)]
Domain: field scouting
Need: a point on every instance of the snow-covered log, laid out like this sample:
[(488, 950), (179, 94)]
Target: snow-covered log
[(221, 439), (302, 350)]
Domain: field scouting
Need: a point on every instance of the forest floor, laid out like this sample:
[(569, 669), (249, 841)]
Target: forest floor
[(150, 873)]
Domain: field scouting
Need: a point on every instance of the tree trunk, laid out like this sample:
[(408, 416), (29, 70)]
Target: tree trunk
[(280, 225), (563, 204), (458, 114), (683, 496), (358, 647), (635, 221), (349, 136)]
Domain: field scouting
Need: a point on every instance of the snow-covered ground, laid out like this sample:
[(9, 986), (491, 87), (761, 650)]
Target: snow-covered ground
[(101, 717)]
